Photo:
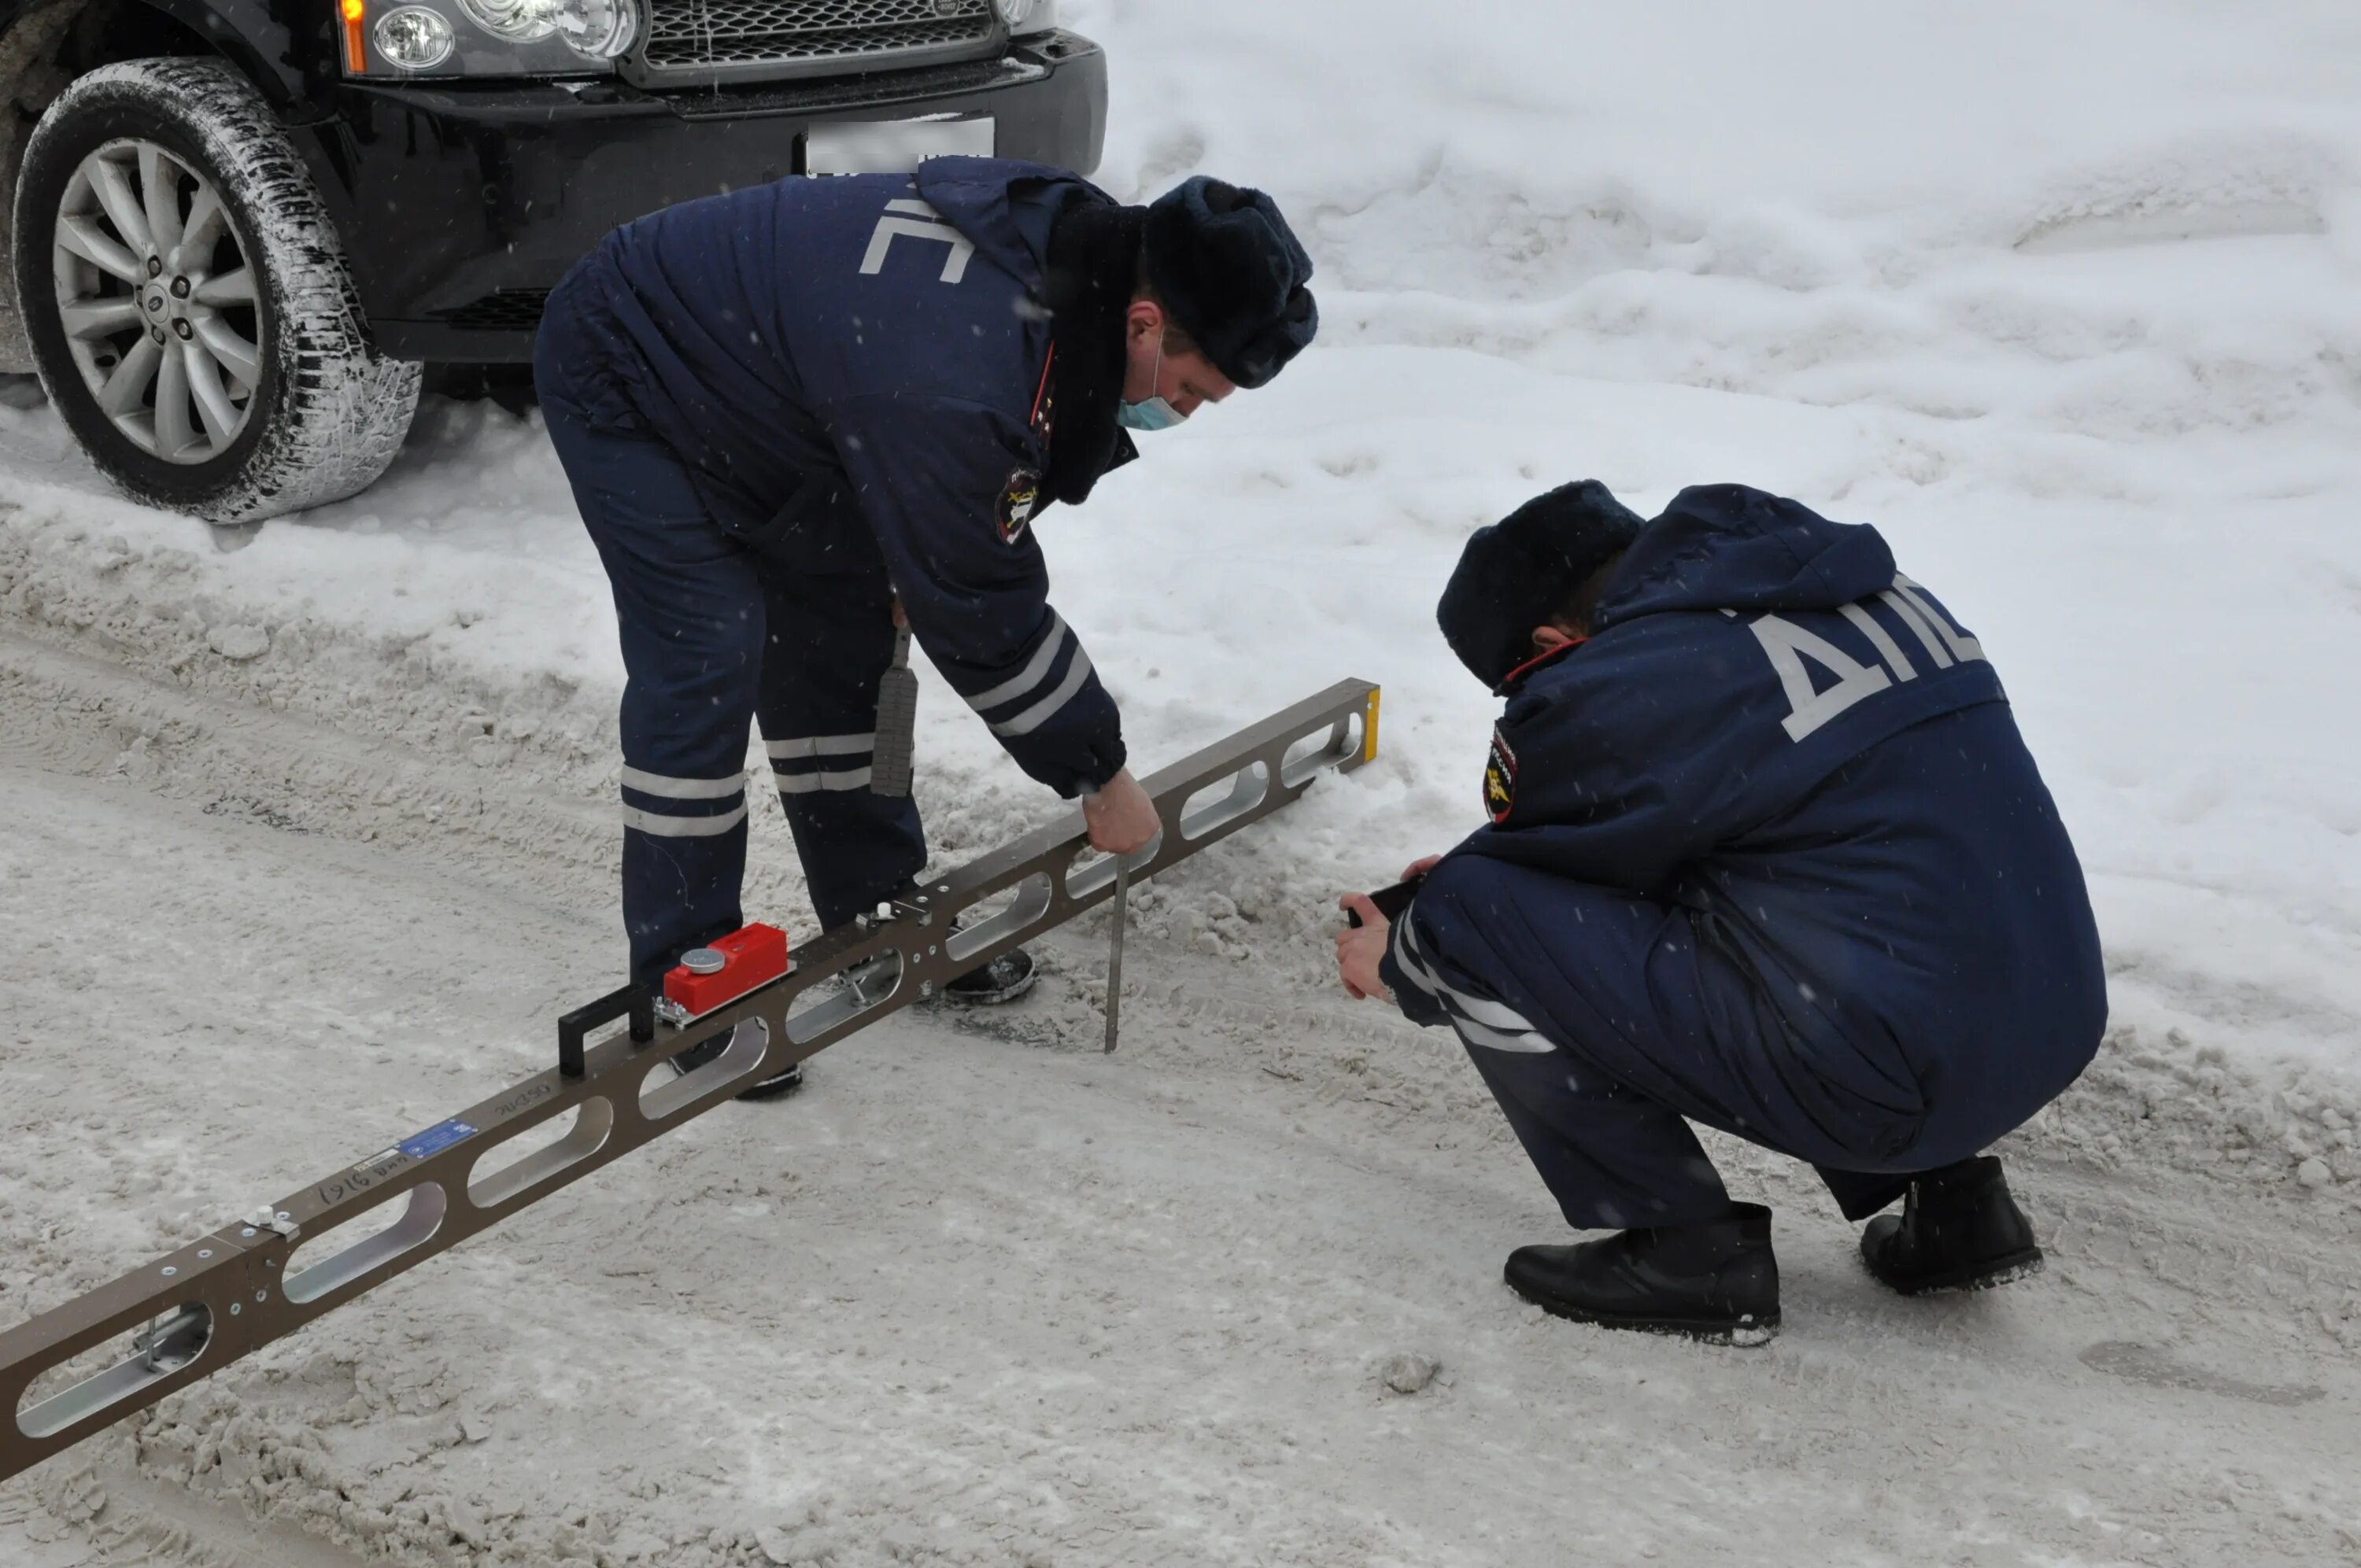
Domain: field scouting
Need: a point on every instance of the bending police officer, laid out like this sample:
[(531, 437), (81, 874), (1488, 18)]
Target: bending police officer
[(795, 414)]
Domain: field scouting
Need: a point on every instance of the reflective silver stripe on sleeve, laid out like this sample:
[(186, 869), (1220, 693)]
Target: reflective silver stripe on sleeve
[(682, 826), (1410, 961), (1476, 1034), (1480, 1021), (1042, 712), (821, 746), (1036, 671), (1491, 1014), (812, 784), (682, 789)]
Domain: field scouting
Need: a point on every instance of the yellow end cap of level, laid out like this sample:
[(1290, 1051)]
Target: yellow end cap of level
[(1370, 727)]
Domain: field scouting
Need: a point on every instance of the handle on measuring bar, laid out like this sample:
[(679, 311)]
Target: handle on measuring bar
[(632, 999)]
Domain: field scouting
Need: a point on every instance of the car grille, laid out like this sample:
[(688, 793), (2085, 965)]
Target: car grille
[(826, 95), (795, 37), (504, 310)]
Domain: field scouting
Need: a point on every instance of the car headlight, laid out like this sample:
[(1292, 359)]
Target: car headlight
[(1024, 16), (487, 37), (414, 37), (597, 29), (516, 21)]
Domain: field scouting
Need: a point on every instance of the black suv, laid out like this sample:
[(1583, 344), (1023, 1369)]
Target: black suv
[(242, 226)]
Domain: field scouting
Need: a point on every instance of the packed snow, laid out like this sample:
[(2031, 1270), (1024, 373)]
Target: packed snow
[(2061, 298)]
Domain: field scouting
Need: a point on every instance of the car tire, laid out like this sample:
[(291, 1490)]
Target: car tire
[(228, 373)]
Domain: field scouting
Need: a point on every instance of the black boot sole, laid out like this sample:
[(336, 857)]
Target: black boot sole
[(1982, 1274), (951, 997), (777, 1088), (1753, 1333)]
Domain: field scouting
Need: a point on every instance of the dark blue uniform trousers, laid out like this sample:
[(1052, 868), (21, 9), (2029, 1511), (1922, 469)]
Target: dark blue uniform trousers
[(1619, 1029), (714, 635)]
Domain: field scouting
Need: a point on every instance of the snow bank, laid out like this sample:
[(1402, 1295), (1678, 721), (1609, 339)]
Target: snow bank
[(2062, 300)]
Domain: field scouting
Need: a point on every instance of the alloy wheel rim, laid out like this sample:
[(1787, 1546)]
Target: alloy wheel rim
[(159, 304)]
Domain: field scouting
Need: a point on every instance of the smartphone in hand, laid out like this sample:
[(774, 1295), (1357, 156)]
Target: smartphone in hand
[(1391, 901)]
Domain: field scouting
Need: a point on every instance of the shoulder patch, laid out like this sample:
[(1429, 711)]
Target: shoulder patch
[(1500, 778), (1019, 498)]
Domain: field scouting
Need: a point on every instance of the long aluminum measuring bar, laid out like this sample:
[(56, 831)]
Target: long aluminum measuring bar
[(227, 1295)]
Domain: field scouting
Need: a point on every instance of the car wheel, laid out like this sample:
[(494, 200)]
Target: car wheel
[(188, 302)]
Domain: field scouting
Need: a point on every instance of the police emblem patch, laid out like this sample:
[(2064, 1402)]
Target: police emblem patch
[(1018, 497), (1500, 778)]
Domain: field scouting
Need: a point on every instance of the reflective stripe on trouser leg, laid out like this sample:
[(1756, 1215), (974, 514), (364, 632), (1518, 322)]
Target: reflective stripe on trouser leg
[(683, 854), (688, 606), (829, 642), (679, 892)]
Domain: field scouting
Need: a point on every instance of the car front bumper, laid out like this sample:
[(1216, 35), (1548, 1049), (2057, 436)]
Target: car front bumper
[(460, 207)]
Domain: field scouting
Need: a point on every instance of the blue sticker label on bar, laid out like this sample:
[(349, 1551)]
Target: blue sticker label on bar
[(436, 1139)]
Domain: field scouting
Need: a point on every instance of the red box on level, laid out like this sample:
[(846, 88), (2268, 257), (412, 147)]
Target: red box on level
[(752, 955)]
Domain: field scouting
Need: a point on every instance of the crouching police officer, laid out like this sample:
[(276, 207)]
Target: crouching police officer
[(796, 414), (1767, 854)]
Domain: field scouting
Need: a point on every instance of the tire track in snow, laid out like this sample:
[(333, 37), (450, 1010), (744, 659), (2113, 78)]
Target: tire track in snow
[(982, 1294)]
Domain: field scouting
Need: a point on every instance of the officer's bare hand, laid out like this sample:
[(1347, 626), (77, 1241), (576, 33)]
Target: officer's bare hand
[(1361, 948), (1419, 868), (1121, 818)]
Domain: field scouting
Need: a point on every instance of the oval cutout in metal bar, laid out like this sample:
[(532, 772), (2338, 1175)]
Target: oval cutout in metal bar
[(162, 1348), (664, 1092), (1091, 870), (834, 999), (421, 1216), (156, 1352), (1224, 802), (1321, 751), (540, 1151), (1027, 902)]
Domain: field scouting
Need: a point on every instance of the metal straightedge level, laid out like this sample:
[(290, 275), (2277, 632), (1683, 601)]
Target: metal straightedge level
[(225, 1295)]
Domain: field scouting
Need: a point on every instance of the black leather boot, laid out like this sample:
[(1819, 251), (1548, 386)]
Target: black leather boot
[(1958, 1230), (1004, 979), (786, 1081), (1717, 1281)]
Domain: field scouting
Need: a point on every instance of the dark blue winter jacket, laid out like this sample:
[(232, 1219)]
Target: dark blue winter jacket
[(1802, 756), (856, 371)]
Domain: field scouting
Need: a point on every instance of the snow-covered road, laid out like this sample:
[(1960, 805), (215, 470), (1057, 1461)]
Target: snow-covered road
[(308, 833), (987, 1296)]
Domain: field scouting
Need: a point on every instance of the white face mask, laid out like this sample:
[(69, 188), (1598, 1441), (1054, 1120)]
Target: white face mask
[(1151, 413)]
